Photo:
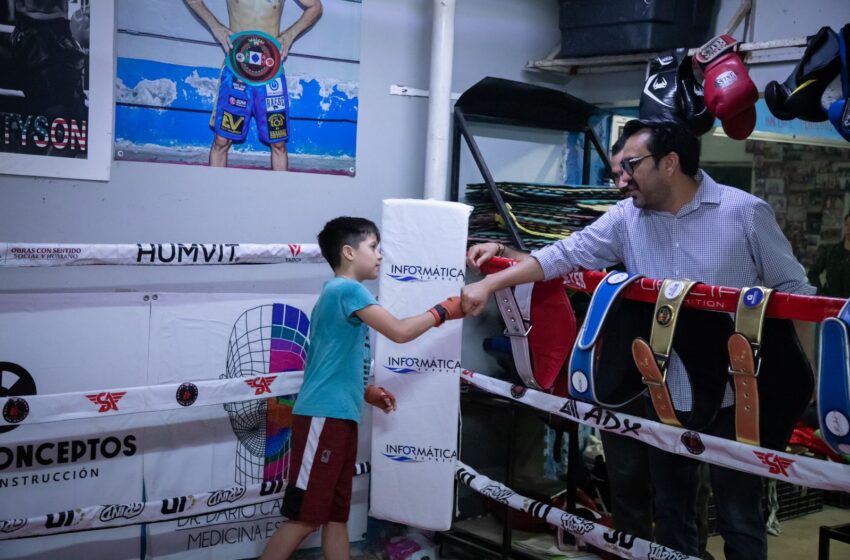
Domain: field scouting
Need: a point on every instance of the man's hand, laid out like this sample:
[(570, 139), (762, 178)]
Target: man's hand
[(222, 35), (474, 297), (286, 39), (380, 398), (481, 253)]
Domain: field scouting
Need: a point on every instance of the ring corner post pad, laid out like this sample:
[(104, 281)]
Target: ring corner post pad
[(415, 447)]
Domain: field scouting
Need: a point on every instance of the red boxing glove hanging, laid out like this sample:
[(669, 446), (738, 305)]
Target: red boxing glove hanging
[(729, 92)]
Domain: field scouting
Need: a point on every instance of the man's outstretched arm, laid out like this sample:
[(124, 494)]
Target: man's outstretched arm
[(218, 30), (312, 13)]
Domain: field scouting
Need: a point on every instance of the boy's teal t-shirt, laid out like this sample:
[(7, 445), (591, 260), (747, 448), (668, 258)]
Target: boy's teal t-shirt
[(339, 347)]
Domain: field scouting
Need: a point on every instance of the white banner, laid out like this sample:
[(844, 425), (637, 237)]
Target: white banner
[(415, 447), (796, 469), (73, 346), (158, 254), (58, 343), (600, 536), (99, 403)]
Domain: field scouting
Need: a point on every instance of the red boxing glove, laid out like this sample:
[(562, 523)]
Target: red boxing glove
[(447, 310), (380, 398), (729, 92)]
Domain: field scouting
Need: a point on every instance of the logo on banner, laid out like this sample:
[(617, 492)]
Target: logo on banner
[(228, 495), (419, 273), (518, 391), (274, 87), (121, 511), (575, 525), (775, 463), (177, 505), (15, 381), (693, 443), (12, 525), (187, 394), (295, 249), (261, 385), (15, 410), (107, 400), (402, 453), (165, 253), (404, 365), (660, 552), (238, 86), (497, 492), (64, 519)]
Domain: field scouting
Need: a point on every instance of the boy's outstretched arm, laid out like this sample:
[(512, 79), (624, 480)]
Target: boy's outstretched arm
[(409, 328)]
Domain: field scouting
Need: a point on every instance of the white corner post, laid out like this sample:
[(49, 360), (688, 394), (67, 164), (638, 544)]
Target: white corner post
[(439, 100)]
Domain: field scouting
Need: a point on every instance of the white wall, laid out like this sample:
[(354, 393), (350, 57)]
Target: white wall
[(158, 202)]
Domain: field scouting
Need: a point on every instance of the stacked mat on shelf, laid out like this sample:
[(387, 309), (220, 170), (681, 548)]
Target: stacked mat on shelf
[(543, 213)]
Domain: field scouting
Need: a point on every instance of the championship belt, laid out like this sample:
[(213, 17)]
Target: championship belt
[(772, 376), (539, 354), (653, 358), (834, 382), (589, 378), (745, 361), (255, 57)]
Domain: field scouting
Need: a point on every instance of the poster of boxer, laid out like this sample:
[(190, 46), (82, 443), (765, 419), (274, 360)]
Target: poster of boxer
[(56, 88), (262, 84)]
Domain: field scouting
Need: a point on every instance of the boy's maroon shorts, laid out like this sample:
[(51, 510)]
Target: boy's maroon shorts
[(324, 451)]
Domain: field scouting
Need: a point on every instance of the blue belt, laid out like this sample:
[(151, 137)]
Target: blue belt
[(582, 366), (834, 381)]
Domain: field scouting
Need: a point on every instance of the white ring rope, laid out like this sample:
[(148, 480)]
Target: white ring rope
[(108, 516), (57, 407), (797, 469), (600, 536), (157, 254)]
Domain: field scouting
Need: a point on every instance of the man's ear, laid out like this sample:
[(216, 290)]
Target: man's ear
[(670, 163), (348, 252)]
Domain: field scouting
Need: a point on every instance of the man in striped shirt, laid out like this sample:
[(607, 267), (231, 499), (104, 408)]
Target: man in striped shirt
[(676, 222)]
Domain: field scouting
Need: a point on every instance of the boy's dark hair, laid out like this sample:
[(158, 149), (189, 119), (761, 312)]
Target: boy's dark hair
[(342, 231), (666, 137)]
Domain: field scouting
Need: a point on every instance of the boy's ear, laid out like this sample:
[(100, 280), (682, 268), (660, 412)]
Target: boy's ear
[(348, 252)]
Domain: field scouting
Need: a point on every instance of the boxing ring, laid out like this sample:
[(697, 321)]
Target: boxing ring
[(241, 391)]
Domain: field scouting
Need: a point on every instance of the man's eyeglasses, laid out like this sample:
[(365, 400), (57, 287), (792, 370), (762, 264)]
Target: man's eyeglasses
[(629, 164)]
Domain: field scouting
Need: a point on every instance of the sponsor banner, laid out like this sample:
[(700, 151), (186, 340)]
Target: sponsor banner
[(605, 538), (796, 469), (415, 447), (229, 337), (64, 254), (210, 506), (135, 513), (97, 403), (58, 343)]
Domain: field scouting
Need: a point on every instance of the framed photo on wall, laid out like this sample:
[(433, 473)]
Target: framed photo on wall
[(56, 88)]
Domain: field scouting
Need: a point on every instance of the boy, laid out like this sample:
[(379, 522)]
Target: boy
[(325, 416)]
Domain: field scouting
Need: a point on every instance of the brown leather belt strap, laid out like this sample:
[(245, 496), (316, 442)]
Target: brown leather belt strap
[(744, 360), (652, 358)]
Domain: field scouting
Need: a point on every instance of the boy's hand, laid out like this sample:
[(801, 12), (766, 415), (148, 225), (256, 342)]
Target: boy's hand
[(447, 310), (380, 398)]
